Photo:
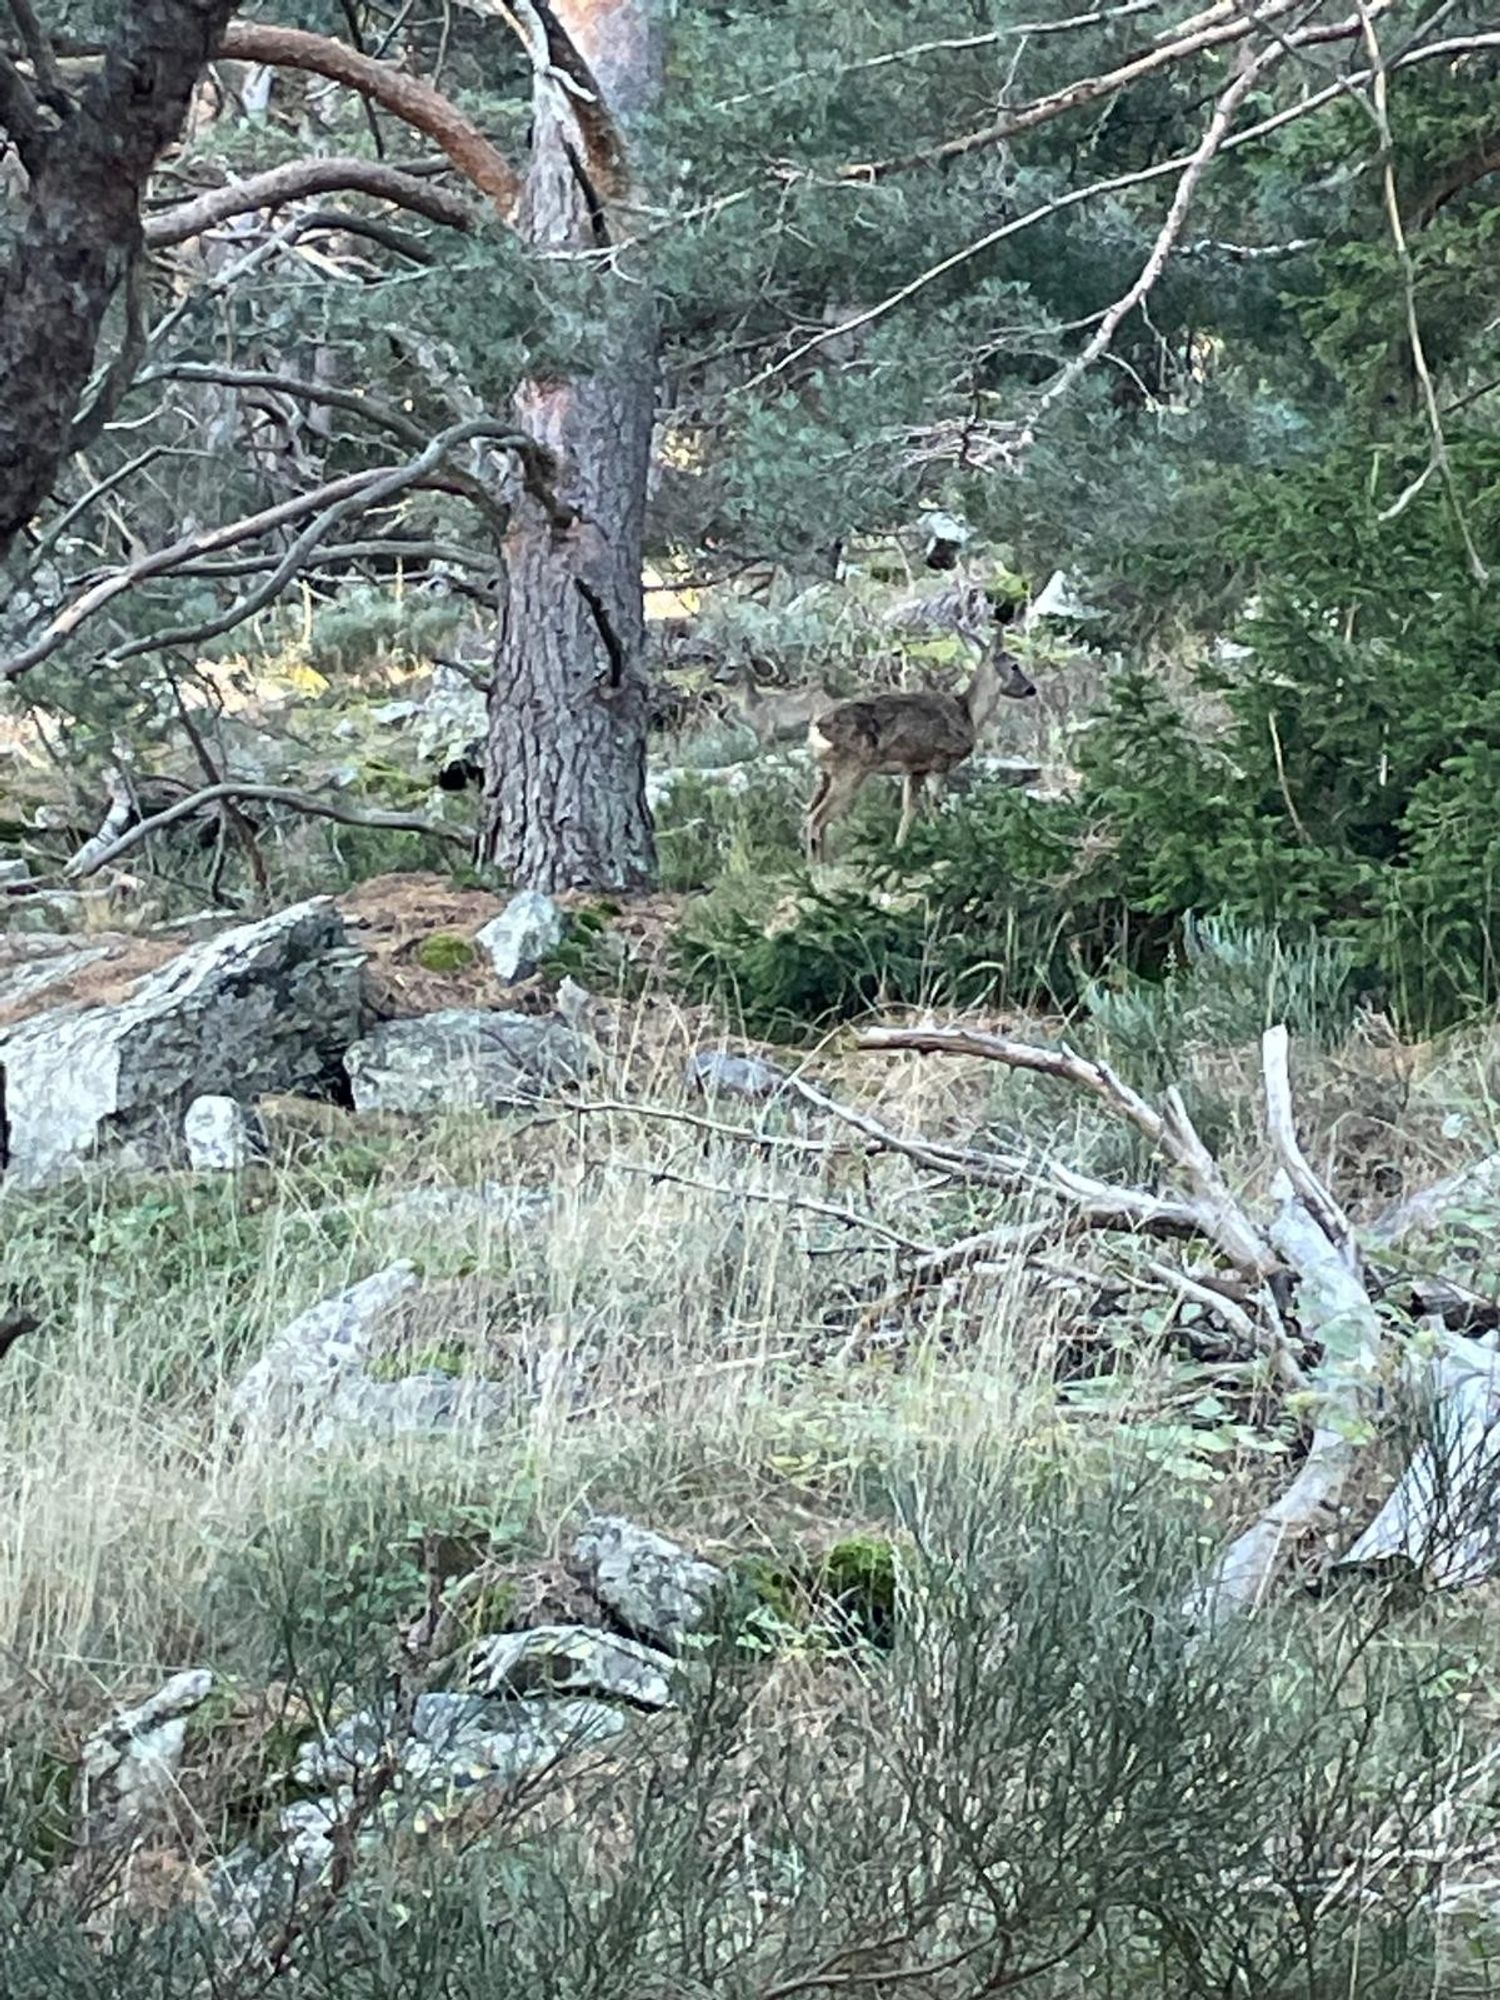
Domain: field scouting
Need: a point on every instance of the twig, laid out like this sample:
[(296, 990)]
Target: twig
[(1379, 101), (88, 861), (1172, 226), (848, 1218)]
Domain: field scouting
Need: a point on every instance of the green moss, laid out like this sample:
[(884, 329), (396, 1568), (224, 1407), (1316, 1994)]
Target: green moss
[(422, 1361), (859, 1577), (445, 952)]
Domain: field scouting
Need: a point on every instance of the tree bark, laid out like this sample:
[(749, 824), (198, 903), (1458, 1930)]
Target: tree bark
[(565, 791), (82, 231)]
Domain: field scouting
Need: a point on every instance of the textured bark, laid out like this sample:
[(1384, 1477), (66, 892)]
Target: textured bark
[(565, 796), (81, 232), (408, 97)]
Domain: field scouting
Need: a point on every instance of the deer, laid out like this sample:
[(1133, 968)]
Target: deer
[(775, 715), (912, 736)]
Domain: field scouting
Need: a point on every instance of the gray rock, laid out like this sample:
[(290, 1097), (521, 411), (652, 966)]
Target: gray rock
[(463, 1058), (525, 932), (130, 1765), (263, 1007), (394, 714), (455, 1738), (13, 870), (31, 961), (426, 1404), (572, 1660), (657, 1589), (717, 1073), (221, 1135), (290, 1388)]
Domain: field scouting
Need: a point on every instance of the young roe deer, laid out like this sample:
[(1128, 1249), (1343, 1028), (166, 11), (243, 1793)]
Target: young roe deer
[(774, 715), (912, 736)]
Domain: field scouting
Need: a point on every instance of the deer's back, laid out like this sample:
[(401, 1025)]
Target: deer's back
[(894, 733)]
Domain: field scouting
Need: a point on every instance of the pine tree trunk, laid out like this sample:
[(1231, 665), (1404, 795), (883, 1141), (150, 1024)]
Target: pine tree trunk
[(565, 790)]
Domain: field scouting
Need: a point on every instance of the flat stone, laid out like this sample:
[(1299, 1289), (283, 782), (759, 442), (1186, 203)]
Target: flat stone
[(463, 1059), (572, 1660)]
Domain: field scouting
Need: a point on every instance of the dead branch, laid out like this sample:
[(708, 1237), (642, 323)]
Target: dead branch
[(353, 493), (384, 416), (1172, 226), (99, 853), (296, 181), (1317, 100), (1226, 27), (408, 98), (1281, 1130), (1213, 1210)]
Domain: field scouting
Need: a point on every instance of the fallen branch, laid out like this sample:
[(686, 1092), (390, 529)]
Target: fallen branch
[(99, 853)]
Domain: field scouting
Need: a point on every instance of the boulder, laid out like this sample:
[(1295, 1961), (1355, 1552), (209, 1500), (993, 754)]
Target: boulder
[(263, 1007), (572, 1660), (657, 1589), (463, 1058), (452, 1737), (717, 1073), (221, 1135), (13, 871), (527, 930), (289, 1388), (130, 1765)]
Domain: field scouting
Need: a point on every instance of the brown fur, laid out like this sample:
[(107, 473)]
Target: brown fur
[(912, 736)]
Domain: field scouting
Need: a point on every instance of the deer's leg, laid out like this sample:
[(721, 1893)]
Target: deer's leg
[(839, 793), (817, 819), (911, 800)]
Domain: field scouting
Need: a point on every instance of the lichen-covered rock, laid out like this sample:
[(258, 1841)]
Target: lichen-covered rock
[(130, 1765), (526, 931), (221, 1135), (266, 1006), (717, 1073), (13, 870), (290, 1388), (455, 1737), (463, 1058), (657, 1589), (572, 1660)]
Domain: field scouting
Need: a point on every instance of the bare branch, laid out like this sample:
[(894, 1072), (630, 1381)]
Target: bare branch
[(384, 416), (298, 179), (1216, 1214), (1379, 101), (1172, 226), (408, 98), (1116, 183), (353, 493), (99, 854), (1226, 27), (1282, 1131)]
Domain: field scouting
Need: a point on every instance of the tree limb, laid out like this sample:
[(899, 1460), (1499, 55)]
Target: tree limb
[(99, 855), (38, 47), (1172, 226), (297, 179), (408, 98), (1227, 27)]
